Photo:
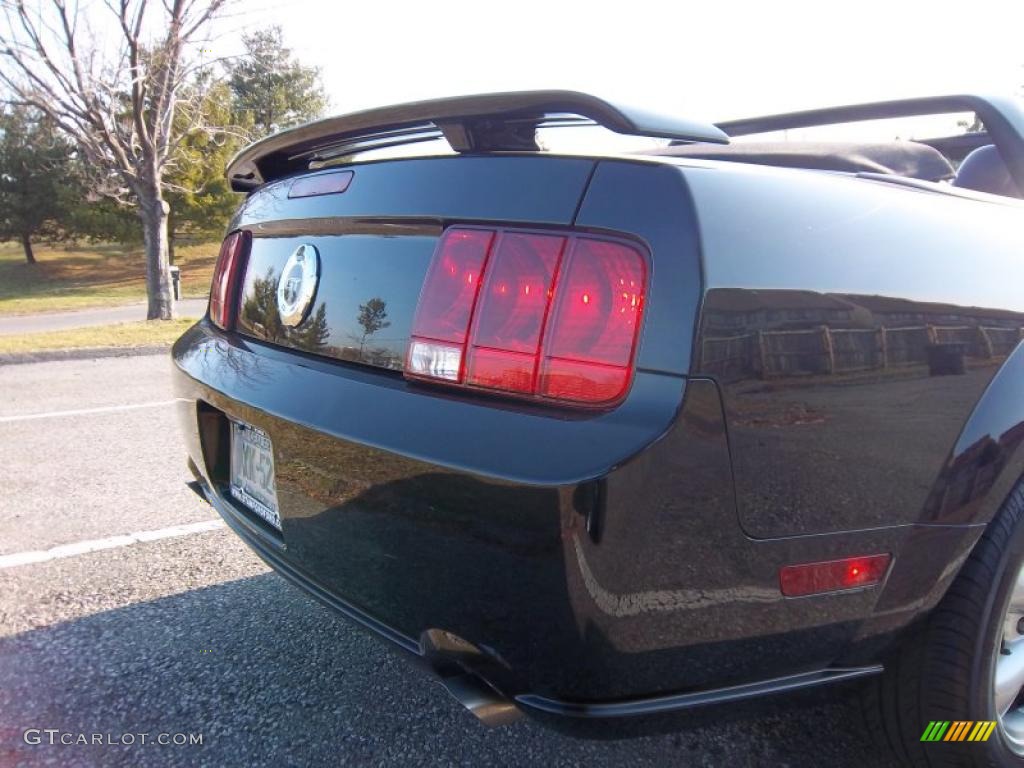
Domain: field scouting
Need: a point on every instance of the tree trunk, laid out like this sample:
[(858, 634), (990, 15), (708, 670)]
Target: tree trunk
[(26, 243), (170, 237), (153, 211)]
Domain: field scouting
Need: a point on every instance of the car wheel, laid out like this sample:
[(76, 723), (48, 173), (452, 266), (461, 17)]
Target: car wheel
[(964, 664)]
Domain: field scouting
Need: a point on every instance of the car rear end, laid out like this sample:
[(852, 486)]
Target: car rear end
[(477, 436)]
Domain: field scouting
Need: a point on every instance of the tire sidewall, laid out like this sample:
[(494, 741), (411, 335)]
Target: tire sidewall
[(1009, 558)]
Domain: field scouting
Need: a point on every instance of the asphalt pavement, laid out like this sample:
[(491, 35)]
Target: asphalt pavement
[(80, 318), (188, 634)]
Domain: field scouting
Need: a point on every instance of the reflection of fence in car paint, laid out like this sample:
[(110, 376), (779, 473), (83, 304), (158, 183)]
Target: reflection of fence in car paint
[(826, 351)]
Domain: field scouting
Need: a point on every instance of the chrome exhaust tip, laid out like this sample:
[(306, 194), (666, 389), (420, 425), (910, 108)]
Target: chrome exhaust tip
[(489, 706), (453, 660)]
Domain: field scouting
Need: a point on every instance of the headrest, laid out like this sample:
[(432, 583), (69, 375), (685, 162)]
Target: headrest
[(984, 171)]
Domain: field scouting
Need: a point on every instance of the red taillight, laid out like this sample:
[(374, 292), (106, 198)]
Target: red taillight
[(833, 575), (531, 314), (446, 305), (595, 321), (506, 339), (230, 262)]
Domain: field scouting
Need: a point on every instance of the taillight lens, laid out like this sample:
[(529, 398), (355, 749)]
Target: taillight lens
[(226, 274), (595, 323), (446, 305), (513, 306), (539, 315)]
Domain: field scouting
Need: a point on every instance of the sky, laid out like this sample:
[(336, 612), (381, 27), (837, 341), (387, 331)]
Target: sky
[(706, 60)]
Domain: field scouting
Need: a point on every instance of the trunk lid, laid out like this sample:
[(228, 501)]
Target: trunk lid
[(375, 240)]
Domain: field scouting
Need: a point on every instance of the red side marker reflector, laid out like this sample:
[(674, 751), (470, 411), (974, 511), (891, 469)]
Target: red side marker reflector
[(322, 184), (833, 575)]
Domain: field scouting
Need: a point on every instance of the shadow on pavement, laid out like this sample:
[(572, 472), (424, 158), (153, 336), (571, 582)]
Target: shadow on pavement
[(271, 678)]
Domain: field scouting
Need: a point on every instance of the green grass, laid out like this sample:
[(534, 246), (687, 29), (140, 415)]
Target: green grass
[(84, 276), (142, 333)]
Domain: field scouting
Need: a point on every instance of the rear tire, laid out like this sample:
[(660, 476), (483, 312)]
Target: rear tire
[(946, 670)]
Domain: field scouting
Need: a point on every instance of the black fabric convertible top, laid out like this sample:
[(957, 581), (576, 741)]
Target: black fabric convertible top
[(900, 158)]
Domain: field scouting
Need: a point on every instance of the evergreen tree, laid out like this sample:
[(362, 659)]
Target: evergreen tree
[(37, 185), (271, 87)]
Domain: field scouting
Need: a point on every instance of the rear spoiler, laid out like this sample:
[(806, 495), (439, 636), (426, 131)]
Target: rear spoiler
[(484, 123)]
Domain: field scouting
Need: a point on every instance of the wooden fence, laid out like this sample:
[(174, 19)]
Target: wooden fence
[(824, 351)]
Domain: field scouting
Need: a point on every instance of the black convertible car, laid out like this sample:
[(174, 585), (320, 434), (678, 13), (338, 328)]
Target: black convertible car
[(600, 438)]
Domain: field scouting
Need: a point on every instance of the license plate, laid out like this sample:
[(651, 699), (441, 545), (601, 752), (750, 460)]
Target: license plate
[(252, 472)]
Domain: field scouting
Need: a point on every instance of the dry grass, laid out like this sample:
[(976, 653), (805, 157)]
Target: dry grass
[(138, 334), (83, 276)]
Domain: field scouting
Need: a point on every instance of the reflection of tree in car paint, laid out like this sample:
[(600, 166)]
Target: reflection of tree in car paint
[(372, 316), (313, 334), (260, 313), (260, 317)]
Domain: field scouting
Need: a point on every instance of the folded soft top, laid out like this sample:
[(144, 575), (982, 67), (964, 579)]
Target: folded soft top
[(902, 158)]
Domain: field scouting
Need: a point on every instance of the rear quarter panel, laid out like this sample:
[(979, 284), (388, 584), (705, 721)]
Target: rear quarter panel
[(823, 294)]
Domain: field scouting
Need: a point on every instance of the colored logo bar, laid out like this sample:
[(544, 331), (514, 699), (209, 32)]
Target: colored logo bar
[(958, 730)]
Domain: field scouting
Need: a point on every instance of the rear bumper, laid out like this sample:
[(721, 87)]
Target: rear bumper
[(425, 653), (589, 567), (497, 704)]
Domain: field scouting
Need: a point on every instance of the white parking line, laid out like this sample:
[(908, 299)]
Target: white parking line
[(81, 547), (83, 411)]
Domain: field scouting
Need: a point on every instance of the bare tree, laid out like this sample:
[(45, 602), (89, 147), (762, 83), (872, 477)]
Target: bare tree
[(122, 104)]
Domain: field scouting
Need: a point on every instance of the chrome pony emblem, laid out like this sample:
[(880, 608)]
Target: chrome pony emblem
[(297, 286)]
